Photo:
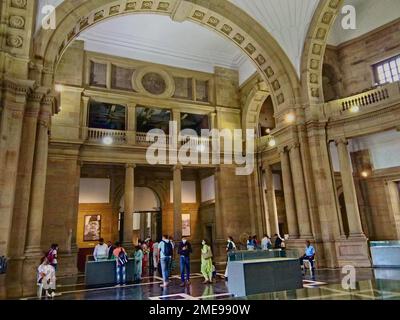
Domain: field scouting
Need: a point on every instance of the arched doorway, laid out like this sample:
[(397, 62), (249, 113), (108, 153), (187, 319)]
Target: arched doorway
[(147, 220)]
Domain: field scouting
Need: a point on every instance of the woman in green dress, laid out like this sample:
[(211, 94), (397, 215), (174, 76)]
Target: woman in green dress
[(206, 262), (138, 256)]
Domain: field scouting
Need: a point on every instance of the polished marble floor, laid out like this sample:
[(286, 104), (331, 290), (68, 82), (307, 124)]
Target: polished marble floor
[(372, 284)]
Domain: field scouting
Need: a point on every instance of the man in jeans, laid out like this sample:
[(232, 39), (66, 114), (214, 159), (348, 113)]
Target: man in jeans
[(165, 257), (184, 250), (120, 265)]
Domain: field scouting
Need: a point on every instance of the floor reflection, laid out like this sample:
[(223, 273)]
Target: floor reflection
[(372, 284)]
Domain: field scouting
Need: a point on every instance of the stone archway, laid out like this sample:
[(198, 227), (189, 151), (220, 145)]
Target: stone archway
[(243, 31), (314, 50), (252, 105)]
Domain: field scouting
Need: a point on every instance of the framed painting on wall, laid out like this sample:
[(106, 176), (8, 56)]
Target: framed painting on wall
[(186, 225), (92, 228)]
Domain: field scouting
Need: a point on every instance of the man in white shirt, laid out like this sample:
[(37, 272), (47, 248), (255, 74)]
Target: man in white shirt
[(100, 251)]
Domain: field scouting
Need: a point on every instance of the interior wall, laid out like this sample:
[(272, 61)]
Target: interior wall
[(355, 58)]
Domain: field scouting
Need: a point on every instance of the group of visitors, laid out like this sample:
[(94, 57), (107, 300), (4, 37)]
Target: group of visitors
[(159, 255), (266, 243), (46, 273)]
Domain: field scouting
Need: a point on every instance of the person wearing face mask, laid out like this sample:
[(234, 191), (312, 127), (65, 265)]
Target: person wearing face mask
[(184, 250), (230, 247), (206, 262)]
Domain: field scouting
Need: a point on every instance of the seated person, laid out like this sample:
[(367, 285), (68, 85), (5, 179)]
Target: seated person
[(100, 251), (308, 255)]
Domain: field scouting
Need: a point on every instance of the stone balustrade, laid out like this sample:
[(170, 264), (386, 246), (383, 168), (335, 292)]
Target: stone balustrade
[(364, 102), (119, 137), (98, 135)]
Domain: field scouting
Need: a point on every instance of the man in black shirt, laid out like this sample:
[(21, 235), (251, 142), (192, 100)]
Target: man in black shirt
[(184, 250)]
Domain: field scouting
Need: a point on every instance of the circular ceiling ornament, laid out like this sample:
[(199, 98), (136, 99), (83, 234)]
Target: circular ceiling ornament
[(153, 82)]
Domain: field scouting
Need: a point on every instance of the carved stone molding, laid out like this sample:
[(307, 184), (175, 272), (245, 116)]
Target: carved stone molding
[(20, 4), (15, 41), (153, 82), (17, 22), (341, 140)]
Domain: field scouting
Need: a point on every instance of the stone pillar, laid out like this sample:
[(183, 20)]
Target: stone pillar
[(176, 116), (33, 248), (22, 197), (213, 124), (129, 200), (289, 195), (131, 129), (349, 191), (72, 246), (271, 201), (177, 183), (35, 220), (303, 216), (84, 119), (13, 101)]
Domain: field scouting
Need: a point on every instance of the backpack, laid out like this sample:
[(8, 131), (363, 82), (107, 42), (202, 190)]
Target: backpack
[(168, 250), (3, 265), (122, 258), (50, 256)]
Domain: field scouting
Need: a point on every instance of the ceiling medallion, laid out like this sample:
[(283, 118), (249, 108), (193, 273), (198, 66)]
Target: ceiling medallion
[(154, 82)]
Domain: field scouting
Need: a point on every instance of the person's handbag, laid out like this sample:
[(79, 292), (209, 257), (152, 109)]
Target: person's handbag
[(208, 254)]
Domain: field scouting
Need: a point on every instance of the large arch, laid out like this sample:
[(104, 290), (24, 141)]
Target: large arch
[(314, 50), (220, 16)]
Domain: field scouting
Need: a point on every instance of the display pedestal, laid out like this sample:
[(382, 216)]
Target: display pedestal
[(103, 273), (249, 277)]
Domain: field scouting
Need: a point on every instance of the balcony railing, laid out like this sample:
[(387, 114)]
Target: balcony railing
[(99, 135), (143, 139), (366, 101)]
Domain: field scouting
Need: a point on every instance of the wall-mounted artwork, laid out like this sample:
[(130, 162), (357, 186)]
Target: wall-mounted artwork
[(186, 232), (106, 116), (152, 118), (196, 122), (92, 225)]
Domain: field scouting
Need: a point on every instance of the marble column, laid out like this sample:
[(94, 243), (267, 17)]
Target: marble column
[(35, 220), (271, 201), (349, 191), (299, 186), (129, 200), (177, 196), (289, 195)]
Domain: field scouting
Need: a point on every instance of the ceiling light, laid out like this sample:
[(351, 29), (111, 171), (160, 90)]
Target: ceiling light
[(364, 174), (290, 117), (355, 109), (272, 142), (108, 140), (58, 87)]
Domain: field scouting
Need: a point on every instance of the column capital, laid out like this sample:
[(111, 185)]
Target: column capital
[(177, 167), (265, 165), (131, 105), (341, 140), (130, 165), (293, 146), (282, 150)]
